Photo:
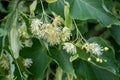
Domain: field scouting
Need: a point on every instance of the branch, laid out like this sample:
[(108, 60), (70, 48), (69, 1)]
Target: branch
[(16, 6), (100, 31)]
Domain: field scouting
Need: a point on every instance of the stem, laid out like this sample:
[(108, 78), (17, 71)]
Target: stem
[(44, 13), (68, 77), (47, 76), (42, 6), (16, 64), (79, 33), (58, 75), (19, 70)]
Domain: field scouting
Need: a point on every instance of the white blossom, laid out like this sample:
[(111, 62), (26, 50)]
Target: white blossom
[(69, 47), (93, 48), (66, 33), (36, 24), (52, 34), (5, 62), (27, 62)]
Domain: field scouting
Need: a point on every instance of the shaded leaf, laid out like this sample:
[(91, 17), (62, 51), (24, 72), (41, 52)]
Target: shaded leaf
[(115, 32), (39, 57), (3, 78), (62, 58), (2, 9), (57, 7), (87, 71)]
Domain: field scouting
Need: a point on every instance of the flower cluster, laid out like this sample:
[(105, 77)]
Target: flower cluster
[(93, 48), (5, 62), (27, 62), (53, 32), (70, 48), (25, 40)]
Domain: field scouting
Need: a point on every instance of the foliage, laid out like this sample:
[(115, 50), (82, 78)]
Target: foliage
[(59, 40)]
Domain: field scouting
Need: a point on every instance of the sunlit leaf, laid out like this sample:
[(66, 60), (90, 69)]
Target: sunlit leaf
[(110, 65), (51, 1), (90, 9), (33, 7)]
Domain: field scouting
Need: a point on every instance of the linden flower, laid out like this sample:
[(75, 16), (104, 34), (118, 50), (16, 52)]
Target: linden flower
[(27, 62), (52, 34), (36, 24), (4, 62), (69, 47), (28, 43), (57, 21), (66, 33), (93, 48)]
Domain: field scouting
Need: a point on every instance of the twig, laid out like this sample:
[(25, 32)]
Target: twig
[(16, 6), (100, 31)]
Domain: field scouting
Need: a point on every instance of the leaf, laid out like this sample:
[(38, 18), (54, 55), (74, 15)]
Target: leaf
[(33, 7), (62, 58), (3, 78), (2, 9), (0, 44), (1, 32), (57, 7), (11, 5), (82, 26), (14, 42), (115, 32), (68, 20), (87, 71), (111, 65), (90, 9), (26, 20), (51, 1), (39, 57)]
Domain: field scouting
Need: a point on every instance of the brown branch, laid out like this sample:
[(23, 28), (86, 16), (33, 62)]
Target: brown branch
[(100, 31), (16, 6)]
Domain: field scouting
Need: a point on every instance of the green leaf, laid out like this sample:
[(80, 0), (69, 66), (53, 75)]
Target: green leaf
[(57, 7), (115, 32), (83, 70), (51, 1), (11, 5), (1, 32), (62, 58), (2, 9), (90, 9), (111, 65), (33, 7), (0, 44), (39, 57), (14, 41), (26, 20), (87, 71), (3, 78), (68, 20)]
